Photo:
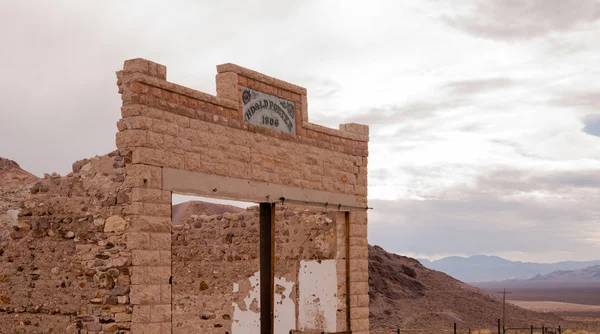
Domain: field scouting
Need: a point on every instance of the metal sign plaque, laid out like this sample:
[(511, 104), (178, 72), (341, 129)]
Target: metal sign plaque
[(268, 111)]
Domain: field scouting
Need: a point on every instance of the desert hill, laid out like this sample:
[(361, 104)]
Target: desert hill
[(14, 187), (182, 212), (404, 294)]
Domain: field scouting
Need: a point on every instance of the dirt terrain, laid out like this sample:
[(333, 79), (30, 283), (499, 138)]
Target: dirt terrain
[(404, 294)]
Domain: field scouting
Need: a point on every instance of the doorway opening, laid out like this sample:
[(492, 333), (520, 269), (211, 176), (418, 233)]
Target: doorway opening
[(217, 246)]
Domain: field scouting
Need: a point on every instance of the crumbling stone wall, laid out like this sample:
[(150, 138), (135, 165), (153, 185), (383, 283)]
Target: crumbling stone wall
[(216, 261), (66, 266)]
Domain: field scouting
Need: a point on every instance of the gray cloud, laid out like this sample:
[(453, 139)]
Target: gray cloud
[(472, 87), (584, 100), (524, 19), (484, 221)]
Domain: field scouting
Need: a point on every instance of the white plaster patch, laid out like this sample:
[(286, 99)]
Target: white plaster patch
[(317, 295), (248, 321)]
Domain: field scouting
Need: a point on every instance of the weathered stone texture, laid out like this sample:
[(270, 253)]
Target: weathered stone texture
[(66, 267), (213, 253)]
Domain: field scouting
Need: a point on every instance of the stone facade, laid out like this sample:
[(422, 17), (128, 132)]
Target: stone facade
[(100, 240), (166, 125)]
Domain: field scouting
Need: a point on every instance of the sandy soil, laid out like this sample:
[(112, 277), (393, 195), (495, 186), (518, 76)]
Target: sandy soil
[(548, 306)]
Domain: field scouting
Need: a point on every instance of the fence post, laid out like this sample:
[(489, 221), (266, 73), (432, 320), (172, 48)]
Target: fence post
[(469, 331), (531, 329), (559, 330), (455, 328), (398, 330), (499, 326), (543, 329)]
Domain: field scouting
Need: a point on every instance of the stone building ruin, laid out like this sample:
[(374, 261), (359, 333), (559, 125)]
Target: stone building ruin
[(95, 251)]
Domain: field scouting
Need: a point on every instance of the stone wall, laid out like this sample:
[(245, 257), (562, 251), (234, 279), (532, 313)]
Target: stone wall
[(216, 266), (92, 251), (65, 266)]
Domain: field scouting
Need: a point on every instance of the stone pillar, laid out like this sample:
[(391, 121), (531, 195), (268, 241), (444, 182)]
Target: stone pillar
[(359, 273), (148, 213)]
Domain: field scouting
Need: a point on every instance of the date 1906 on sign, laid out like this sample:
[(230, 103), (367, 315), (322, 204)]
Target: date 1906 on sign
[(266, 120)]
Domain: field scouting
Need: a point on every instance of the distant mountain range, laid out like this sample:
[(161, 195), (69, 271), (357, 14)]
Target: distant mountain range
[(483, 268), (591, 273)]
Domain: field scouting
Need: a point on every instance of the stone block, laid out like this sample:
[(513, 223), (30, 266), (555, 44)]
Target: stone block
[(138, 175), (138, 240), (359, 312), (358, 230), (359, 265), (160, 313), (145, 294), (139, 65), (143, 328), (359, 252), (141, 223), (165, 293), (132, 138), (360, 326), (359, 288), (165, 257), (166, 327), (149, 156), (227, 86), (358, 241), (160, 241), (174, 160), (149, 195), (359, 276), (148, 209), (115, 224), (360, 300), (145, 257)]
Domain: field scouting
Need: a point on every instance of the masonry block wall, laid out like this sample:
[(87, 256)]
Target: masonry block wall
[(168, 126)]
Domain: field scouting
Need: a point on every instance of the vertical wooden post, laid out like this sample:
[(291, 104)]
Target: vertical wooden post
[(347, 249), (455, 328), (499, 326), (267, 255), (531, 329)]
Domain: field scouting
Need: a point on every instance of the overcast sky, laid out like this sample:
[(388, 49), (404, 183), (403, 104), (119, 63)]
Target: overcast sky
[(484, 115)]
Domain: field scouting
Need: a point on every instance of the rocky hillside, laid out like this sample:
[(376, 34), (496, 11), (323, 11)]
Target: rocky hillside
[(14, 187), (188, 210), (404, 294)]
